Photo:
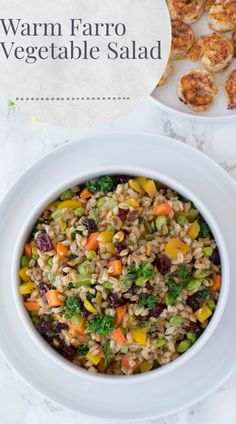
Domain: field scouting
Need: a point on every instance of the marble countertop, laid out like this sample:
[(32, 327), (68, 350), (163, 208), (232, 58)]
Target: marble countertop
[(24, 141)]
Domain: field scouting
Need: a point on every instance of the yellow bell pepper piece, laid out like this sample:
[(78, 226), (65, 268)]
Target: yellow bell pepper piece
[(110, 248), (105, 237), (70, 204), (203, 313), (34, 251), (95, 359), (145, 366), (53, 205), (141, 181), (150, 187), (133, 203), (22, 274), (174, 246), (63, 225), (139, 335), (194, 230), (98, 298), (89, 307), (26, 288), (134, 184), (130, 320)]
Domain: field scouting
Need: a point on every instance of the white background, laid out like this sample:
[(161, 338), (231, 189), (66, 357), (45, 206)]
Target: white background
[(23, 141), (146, 22)]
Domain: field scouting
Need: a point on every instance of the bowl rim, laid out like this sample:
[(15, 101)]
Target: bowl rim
[(79, 178), (187, 115)]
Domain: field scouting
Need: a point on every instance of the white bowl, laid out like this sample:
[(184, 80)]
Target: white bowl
[(26, 230)]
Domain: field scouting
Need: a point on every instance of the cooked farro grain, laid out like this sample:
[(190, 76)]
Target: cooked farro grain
[(121, 275)]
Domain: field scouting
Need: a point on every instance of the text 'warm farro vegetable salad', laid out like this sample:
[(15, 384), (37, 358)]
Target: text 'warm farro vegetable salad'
[(120, 275)]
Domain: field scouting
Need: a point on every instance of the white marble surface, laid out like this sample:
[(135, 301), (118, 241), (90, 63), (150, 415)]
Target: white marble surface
[(23, 142)]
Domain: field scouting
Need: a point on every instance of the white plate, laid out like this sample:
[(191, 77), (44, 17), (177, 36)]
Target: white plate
[(165, 394), (166, 97)]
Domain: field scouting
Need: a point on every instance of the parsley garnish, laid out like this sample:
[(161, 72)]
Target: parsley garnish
[(12, 106), (178, 280), (108, 353), (100, 324), (203, 293), (102, 184), (135, 271), (83, 349), (205, 231), (148, 301)]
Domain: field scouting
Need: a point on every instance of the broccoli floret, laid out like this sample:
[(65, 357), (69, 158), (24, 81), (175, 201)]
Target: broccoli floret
[(72, 305)]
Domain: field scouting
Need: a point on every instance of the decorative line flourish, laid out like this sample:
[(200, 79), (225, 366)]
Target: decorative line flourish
[(64, 99)]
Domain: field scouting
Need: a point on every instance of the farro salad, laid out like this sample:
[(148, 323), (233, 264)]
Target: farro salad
[(121, 275)]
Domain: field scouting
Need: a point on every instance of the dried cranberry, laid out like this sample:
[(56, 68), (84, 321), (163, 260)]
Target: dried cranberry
[(155, 312), (122, 213), (42, 289), (149, 288), (44, 243), (132, 215), (114, 301), (195, 327), (119, 247), (163, 264), (68, 351), (83, 311), (142, 319), (134, 289), (195, 301), (90, 224), (215, 257), (44, 328), (123, 179), (58, 326)]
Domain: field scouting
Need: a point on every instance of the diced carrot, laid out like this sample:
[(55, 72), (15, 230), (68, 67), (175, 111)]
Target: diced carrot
[(125, 363), (216, 282), (120, 313), (92, 243), (163, 209), (28, 250), (61, 251), (79, 329), (101, 355), (53, 299), (115, 267), (32, 306), (119, 336), (85, 194)]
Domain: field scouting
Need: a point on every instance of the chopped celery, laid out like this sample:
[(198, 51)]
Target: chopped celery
[(24, 261), (83, 280), (207, 251), (66, 195), (160, 221), (194, 284)]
